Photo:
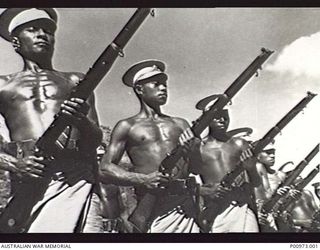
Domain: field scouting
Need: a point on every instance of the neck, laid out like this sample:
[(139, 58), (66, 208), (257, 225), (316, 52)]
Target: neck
[(37, 65), (148, 111), (267, 168), (218, 135)]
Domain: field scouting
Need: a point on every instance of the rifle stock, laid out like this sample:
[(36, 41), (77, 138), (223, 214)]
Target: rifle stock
[(208, 215), (16, 216), (198, 127)]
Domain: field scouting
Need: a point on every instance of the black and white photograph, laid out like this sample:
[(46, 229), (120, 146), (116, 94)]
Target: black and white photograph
[(160, 120)]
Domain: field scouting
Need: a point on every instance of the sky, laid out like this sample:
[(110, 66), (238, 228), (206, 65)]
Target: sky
[(205, 50)]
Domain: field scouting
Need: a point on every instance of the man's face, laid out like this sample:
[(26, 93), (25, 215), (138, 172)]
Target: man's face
[(220, 122), (267, 157), (154, 93), (35, 40)]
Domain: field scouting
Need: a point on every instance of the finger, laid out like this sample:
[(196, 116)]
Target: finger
[(36, 172), (248, 153), (34, 175), (70, 108), (241, 157), (36, 158), (189, 133), (182, 139), (77, 100)]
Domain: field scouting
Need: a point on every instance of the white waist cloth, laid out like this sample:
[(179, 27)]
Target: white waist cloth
[(174, 221), (235, 219), (66, 209)]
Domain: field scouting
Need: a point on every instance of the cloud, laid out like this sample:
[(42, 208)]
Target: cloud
[(300, 58), (297, 68)]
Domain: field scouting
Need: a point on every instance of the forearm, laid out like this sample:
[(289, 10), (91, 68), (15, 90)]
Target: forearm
[(112, 173)]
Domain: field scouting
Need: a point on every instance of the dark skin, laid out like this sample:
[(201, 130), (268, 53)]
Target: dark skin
[(265, 191), (219, 155), (146, 137), (303, 207), (29, 99)]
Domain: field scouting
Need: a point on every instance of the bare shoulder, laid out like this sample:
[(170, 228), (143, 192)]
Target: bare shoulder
[(123, 126), (74, 77), (182, 123), (307, 194), (239, 142), (261, 170), (4, 79)]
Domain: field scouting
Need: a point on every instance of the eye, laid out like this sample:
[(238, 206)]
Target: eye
[(30, 29)]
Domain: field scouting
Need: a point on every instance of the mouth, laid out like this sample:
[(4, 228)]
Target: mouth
[(163, 95), (42, 43)]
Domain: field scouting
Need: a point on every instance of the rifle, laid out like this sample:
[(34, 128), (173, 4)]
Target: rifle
[(16, 217), (299, 186), (140, 216), (269, 205), (209, 213)]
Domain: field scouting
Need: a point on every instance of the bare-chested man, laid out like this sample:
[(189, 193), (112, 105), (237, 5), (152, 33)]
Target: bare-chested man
[(300, 213), (219, 155), (147, 137), (270, 181), (29, 99)]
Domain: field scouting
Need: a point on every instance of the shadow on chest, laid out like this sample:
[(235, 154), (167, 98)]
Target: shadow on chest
[(220, 153), (154, 131)]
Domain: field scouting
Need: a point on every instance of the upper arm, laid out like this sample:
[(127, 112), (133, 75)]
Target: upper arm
[(117, 144), (182, 123), (310, 197)]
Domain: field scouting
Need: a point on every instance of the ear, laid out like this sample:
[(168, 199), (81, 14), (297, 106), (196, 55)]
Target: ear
[(138, 89), (15, 43)]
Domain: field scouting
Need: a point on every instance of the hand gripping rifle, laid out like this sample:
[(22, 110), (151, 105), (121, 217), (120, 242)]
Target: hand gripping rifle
[(140, 216), (269, 205), (208, 215), (298, 186), (15, 218)]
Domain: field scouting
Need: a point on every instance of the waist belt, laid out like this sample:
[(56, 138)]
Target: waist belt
[(20, 149)]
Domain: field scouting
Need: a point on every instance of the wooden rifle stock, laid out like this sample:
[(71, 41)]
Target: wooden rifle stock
[(208, 215), (138, 218), (16, 216)]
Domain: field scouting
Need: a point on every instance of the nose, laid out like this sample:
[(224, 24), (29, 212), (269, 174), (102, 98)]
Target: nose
[(221, 119), (41, 33), (162, 87)]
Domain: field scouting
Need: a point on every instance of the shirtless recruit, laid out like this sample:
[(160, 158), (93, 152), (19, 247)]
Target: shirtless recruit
[(147, 137), (29, 99), (300, 213), (270, 181), (219, 155)]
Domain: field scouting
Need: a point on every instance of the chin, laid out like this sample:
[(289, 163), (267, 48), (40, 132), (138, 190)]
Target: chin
[(162, 102)]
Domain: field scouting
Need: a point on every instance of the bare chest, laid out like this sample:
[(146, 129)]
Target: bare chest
[(219, 158), (38, 90), (150, 131)]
